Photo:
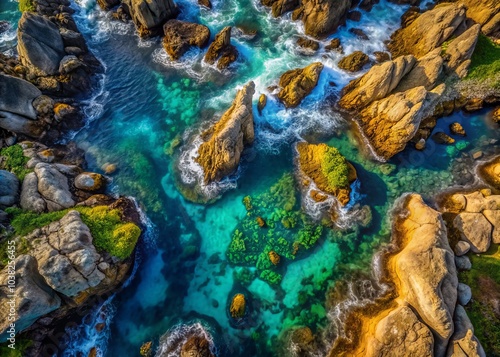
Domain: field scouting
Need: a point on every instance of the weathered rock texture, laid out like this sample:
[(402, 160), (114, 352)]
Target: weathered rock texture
[(181, 35), (221, 50), (149, 15), (220, 152), (354, 62), (486, 13), (298, 83)]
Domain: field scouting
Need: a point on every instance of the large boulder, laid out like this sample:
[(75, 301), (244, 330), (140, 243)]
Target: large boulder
[(40, 45), (428, 285), (354, 62), (220, 152), (33, 297), (401, 331), (322, 17), (460, 49), (221, 50), (9, 189), (66, 257), (31, 199), (475, 229), (298, 83), (425, 72), (428, 31), (149, 15), (196, 346), (53, 187), (463, 342), (486, 13), (181, 35), (17, 96)]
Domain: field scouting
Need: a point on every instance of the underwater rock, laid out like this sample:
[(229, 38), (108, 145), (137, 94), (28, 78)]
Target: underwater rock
[(428, 31), (442, 138), (205, 3), (220, 152), (90, 181), (261, 222), (360, 34), (274, 257), (303, 339), (145, 349), (327, 168), (237, 308), (181, 35), (296, 84), (149, 15), (457, 129), (420, 145), (221, 50), (354, 62)]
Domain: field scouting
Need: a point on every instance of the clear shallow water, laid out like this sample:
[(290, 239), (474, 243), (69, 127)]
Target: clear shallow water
[(145, 104)]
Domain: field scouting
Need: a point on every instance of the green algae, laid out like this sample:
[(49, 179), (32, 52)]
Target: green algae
[(485, 61), (15, 161), (334, 167), (286, 231)]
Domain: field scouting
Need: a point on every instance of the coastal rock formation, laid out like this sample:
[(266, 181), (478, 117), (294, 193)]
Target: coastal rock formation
[(298, 83), (331, 172), (486, 13), (460, 49), (196, 346), (149, 15), (221, 50), (354, 62), (17, 97), (220, 152), (463, 342), (9, 188), (40, 44), (322, 17), (90, 181), (181, 35), (490, 172)]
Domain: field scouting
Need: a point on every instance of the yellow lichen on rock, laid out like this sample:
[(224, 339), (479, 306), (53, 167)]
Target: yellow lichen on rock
[(237, 309)]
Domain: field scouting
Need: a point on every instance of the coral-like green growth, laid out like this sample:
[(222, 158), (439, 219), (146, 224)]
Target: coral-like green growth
[(485, 61), (15, 161), (110, 232), (271, 277), (21, 345), (308, 236), (334, 167), (26, 5)]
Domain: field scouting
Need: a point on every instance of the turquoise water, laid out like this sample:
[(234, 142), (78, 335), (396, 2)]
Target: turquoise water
[(142, 117)]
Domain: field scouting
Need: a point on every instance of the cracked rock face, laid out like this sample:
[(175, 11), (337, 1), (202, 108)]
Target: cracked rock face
[(66, 257), (53, 187)]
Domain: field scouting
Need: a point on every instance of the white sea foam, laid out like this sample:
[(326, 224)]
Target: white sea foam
[(173, 340)]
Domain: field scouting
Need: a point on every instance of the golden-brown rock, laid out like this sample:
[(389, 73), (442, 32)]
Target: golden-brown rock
[(181, 35), (221, 50), (354, 62), (238, 304), (274, 257), (296, 84)]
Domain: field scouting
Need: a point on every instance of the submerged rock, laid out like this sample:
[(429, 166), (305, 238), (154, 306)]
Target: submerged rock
[(221, 50), (457, 129), (354, 62), (262, 102), (181, 35), (237, 308), (442, 138), (296, 84), (220, 152)]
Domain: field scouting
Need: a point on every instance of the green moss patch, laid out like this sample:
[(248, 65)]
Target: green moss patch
[(287, 231), (26, 5), (110, 232), (485, 61), (334, 167), (15, 161), (484, 280)]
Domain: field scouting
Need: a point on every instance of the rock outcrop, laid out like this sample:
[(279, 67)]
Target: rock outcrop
[(9, 189), (221, 50), (220, 152), (181, 35), (150, 15), (298, 83), (322, 17), (238, 305), (17, 97), (354, 62), (486, 13)]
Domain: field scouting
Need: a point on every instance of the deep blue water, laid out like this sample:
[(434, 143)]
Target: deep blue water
[(144, 104)]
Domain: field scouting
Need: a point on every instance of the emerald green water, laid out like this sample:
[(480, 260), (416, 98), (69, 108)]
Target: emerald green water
[(147, 109)]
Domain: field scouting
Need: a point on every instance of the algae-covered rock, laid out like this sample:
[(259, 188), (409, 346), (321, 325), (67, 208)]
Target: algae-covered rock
[(329, 170), (220, 152), (296, 84), (237, 308)]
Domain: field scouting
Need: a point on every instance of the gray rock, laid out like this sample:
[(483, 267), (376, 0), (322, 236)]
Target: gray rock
[(20, 125), (69, 64), (9, 189), (73, 39), (464, 294), (66, 256), (53, 186), (40, 45), (475, 229), (461, 248), (17, 96), (31, 199), (89, 181), (463, 343), (493, 216), (34, 298), (463, 263)]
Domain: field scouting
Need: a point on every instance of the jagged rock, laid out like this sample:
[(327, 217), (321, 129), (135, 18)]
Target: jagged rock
[(334, 45), (69, 64), (196, 346), (238, 305), (33, 297), (17, 96), (280, 7), (463, 342), (221, 50), (181, 35), (296, 84), (464, 294), (428, 285), (442, 138), (460, 49), (428, 31), (379, 81), (107, 4), (354, 62), (475, 229), (9, 187), (308, 44), (425, 72), (486, 13), (31, 200), (461, 248), (322, 17), (401, 331), (40, 45), (66, 257), (149, 15), (220, 152), (53, 186), (381, 56), (457, 129), (90, 181), (463, 263), (391, 122)]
